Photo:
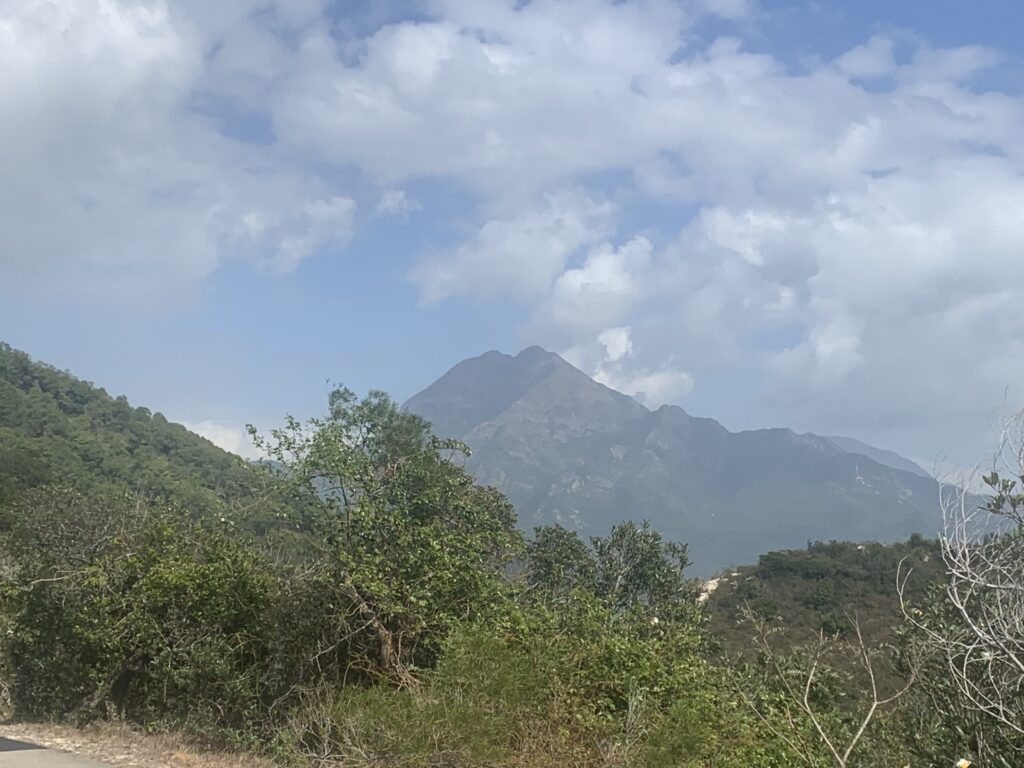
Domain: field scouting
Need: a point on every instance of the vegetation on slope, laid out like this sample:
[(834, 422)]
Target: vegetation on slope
[(822, 588), (57, 429), (414, 626)]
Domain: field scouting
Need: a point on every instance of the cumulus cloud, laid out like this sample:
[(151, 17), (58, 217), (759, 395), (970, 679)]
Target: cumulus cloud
[(875, 58), (652, 388), (115, 184), (616, 343), (848, 231), (604, 288), (519, 256), (322, 222)]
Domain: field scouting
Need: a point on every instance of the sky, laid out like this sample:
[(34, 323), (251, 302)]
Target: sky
[(773, 213)]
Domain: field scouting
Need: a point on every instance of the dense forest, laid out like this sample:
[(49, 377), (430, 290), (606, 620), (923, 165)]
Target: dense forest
[(404, 620), (56, 429)]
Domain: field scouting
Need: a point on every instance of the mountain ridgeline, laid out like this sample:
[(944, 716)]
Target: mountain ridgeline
[(566, 449)]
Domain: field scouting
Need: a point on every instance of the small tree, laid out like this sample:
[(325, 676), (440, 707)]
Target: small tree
[(558, 561), (633, 568)]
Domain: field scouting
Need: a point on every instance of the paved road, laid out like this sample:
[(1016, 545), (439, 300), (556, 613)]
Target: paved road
[(20, 754)]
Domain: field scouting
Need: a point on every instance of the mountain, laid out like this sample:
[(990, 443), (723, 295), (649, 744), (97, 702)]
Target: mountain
[(888, 458), (55, 428), (567, 449)]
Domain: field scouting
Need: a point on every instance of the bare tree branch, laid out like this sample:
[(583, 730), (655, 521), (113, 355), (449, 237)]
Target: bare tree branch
[(982, 638)]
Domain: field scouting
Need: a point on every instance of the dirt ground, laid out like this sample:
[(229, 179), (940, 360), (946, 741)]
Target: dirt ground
[(121, 746)]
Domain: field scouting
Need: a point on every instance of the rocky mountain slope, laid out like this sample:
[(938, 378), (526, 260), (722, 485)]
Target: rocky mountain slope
[(567, 449)]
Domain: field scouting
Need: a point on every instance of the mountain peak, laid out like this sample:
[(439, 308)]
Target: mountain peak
[(538, 353), (567, 449), (533, 384)]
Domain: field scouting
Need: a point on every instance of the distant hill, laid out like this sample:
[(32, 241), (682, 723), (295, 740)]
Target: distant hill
[(55, 428), (821, 587), (567, 449)]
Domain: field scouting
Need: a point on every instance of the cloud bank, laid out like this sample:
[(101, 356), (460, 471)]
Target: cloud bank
[(845, 235)]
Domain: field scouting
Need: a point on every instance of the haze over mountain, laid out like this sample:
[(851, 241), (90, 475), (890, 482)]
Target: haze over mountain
[(567, 449)]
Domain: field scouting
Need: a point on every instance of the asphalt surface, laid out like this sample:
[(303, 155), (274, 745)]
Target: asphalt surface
[(21, 754)]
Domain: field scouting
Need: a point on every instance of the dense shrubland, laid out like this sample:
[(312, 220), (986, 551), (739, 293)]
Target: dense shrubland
[(371, 605)]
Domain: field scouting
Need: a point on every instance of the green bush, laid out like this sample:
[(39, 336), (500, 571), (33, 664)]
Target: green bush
[(145, 616), (482, 705)]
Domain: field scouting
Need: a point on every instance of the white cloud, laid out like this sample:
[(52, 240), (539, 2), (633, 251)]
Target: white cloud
[(616, 343), (605, 287), (520, 256), (114, 184), (231, 438), (513, 101), (874, 58), (847, 235), (731, 9), (322, 222), (652, 388), (395, 202)]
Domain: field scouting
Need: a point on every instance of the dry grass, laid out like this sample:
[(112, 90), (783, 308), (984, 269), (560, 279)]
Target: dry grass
[(118, 745)]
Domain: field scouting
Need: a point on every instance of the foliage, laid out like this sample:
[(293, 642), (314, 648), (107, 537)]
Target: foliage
[(116, 606), (55, 428), (541, 698), (822, 712), (413, 543), (818, 589), (632, 566), (405, 621), (483, 703)]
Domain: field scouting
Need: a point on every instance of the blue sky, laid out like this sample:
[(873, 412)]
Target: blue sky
[(772, 213)]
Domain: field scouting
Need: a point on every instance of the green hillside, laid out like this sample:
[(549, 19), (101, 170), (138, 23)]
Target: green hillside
[(55, 428), (823, 588), (401, 619)]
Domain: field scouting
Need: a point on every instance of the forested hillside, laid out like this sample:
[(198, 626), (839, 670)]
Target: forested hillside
[(416, 626), (822, 588), (58, 429)]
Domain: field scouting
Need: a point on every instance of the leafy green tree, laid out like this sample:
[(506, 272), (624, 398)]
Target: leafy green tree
[(636, 566), (416, 547), (558, 561), (631, 567), (117, 605)]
